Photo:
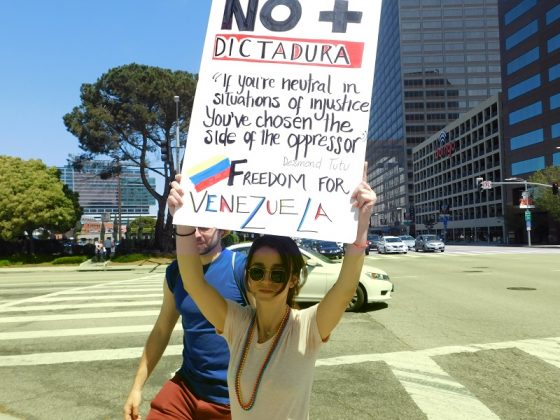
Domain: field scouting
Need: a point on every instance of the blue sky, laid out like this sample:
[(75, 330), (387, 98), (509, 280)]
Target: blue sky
[(49, 48)]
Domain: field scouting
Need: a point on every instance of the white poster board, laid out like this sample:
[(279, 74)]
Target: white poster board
[(279, 125)]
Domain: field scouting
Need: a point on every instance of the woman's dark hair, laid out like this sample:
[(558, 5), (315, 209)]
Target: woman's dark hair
[(292, 262)]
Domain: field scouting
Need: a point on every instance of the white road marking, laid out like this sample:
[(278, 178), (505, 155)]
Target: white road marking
[(39, 298), (66, 317), (80, 306), (434, 391), (108, 295), (112, 290), (81, 356), (73, 332)]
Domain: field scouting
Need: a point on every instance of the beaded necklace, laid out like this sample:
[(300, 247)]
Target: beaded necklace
[(250, 332)]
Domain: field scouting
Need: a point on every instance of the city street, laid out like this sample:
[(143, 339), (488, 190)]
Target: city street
[(471, 333)]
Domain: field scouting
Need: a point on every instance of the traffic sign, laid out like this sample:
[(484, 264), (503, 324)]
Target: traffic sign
[(527, 215), (486, 185)]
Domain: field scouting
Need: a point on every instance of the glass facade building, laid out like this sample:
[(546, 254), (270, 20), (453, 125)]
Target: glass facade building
[(100, 197), (436, 60), (530, 51)]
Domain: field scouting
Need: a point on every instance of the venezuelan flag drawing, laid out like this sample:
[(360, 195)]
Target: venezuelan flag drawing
[(209, 172)]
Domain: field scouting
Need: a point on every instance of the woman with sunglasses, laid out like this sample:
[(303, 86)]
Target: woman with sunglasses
[(273, 346)]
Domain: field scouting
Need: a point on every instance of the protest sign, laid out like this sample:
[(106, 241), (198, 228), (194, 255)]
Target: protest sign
[(279, 126)]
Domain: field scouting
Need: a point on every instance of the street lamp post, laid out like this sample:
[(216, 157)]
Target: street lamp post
[(177, 147)]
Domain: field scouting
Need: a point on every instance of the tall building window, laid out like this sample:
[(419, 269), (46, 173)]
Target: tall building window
[(553, 14), (556, 159), (554, 72), (526, 166), (555, 101), (523, 60), (553, 43), (525, 113), (524, 86), (522, 34), (518, 10), (532, 137), (555, 130)]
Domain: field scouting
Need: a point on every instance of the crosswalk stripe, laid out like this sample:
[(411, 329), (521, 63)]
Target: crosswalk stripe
[(72, 332), (78, 306), (66, 317), (436, 393), (81, 356), (60, 298), (99, 285)]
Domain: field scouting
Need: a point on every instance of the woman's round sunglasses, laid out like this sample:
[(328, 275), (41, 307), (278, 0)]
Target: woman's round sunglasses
[(276, 275)]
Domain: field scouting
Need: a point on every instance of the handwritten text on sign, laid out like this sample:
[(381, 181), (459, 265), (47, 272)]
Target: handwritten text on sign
[(279, 125)]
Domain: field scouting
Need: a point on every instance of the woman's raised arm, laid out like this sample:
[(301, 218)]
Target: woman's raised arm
[(334, 303)]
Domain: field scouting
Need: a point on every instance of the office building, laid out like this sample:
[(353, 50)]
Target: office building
[(530, 48), (100, 198), (448, 198), (436, 60)]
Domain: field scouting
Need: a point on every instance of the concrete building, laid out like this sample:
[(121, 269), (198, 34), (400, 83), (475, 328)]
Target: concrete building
[(436, 60), (530, 46), (447, 199), (106, 198)]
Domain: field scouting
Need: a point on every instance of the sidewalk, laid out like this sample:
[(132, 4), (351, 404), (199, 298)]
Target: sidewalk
[(89, 265)]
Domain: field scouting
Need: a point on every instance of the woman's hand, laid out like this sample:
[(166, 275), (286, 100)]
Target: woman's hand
[(175, 197), (363, 198)]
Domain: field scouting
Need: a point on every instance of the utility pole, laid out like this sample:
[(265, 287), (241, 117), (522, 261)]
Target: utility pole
[(177, 145)]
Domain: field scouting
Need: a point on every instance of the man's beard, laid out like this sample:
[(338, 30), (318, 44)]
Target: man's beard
[(211, 246)]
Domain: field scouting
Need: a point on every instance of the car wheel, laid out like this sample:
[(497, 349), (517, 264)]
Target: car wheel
[(442, 250), (367, 251), (357, 300), (379, 250)]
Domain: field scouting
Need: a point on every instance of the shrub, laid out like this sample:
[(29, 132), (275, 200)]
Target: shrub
[(230, 239), (4, 263), (130, 258), (75, 259)]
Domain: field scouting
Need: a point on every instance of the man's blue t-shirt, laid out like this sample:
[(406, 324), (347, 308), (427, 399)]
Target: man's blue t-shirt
[(205, 354)]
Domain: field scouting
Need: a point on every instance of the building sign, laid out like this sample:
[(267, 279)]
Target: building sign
[(280, 119), (445, 147)]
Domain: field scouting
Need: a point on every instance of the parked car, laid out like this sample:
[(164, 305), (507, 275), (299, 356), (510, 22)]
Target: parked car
[(429, 243), (408, 240), (308, 244), (329, 249), (373, 240), (391, 244), (375, 285)]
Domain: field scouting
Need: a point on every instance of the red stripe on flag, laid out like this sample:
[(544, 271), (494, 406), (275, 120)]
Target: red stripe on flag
[(212, 180)]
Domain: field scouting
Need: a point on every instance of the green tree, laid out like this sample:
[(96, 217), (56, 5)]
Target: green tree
[(129, 114), (32, 196), (544, 199), (142, 225)]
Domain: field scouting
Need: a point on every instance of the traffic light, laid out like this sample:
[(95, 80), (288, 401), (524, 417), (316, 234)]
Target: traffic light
[(555, 188), (165, 150), (480, 187)]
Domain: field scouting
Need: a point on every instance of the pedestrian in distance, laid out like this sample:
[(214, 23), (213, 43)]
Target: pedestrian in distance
[(199, 388), (273, 345), (99, 250), (108, 244)]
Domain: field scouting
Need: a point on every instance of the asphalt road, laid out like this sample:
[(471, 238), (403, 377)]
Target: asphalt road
[(472, 333)]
